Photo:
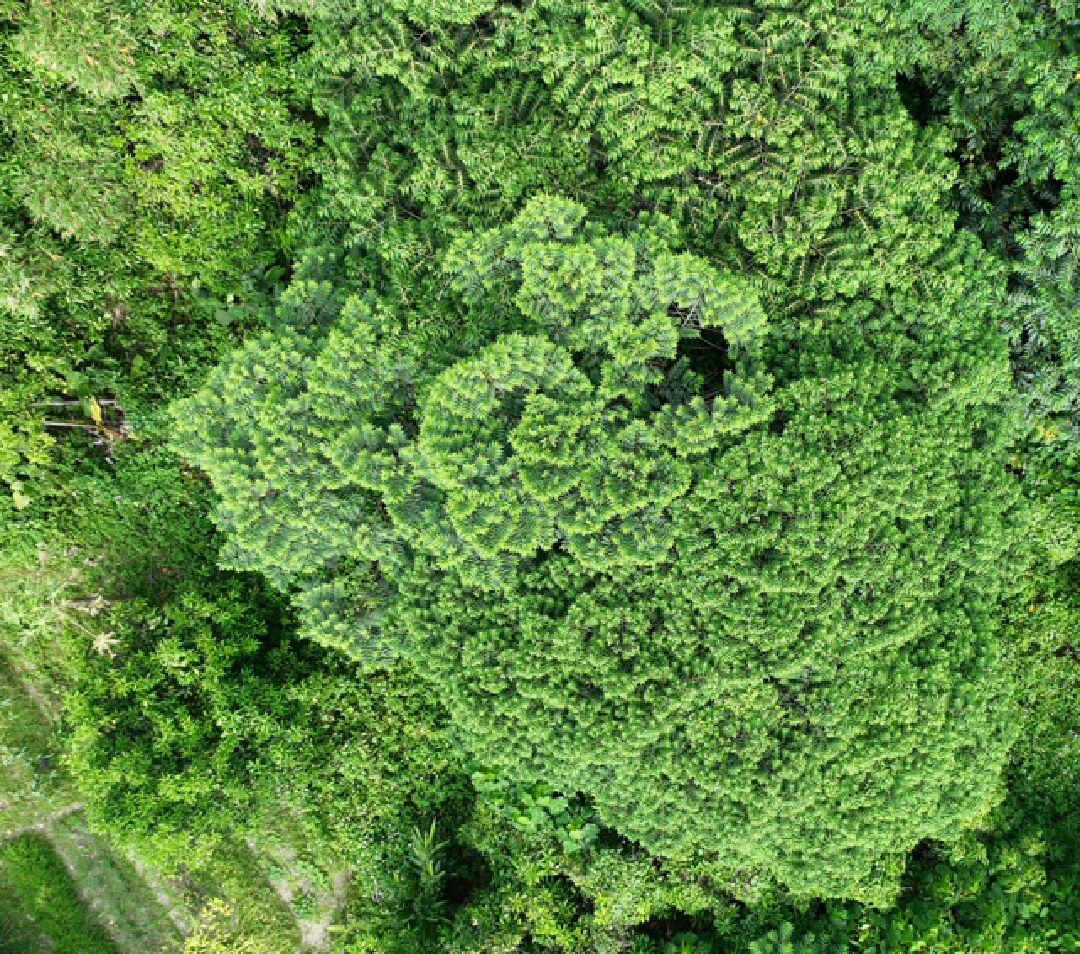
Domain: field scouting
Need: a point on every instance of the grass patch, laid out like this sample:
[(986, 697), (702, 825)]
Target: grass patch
[(33, 785), (114, 890), (43, 901), (260, 910), (232, 879), (18, 934)]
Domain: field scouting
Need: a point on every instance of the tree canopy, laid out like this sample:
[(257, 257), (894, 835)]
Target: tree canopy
[(750, 617)]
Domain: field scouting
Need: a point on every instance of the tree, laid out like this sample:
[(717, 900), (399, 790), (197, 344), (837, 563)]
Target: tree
[(1004, 83), (756, 626), (580, 425)]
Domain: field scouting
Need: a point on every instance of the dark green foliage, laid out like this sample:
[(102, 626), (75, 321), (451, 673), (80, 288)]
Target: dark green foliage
[(1041, 627), (1047, 335), (533, 894), (35, 885), (1006, 83), (166, 743), (997, 894), (421, 907), (771, 132)]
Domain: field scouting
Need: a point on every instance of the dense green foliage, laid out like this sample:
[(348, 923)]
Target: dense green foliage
[(202, 722), (548, 476), (598, 517), (148, 156), (240, 716), (1004, 82)]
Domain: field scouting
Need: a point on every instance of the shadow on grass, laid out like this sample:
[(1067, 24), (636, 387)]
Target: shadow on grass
[(41, 910)]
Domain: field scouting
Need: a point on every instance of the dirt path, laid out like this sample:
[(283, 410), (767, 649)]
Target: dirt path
[(139, 919), (44, 825), (132, 905), (313, 931)]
